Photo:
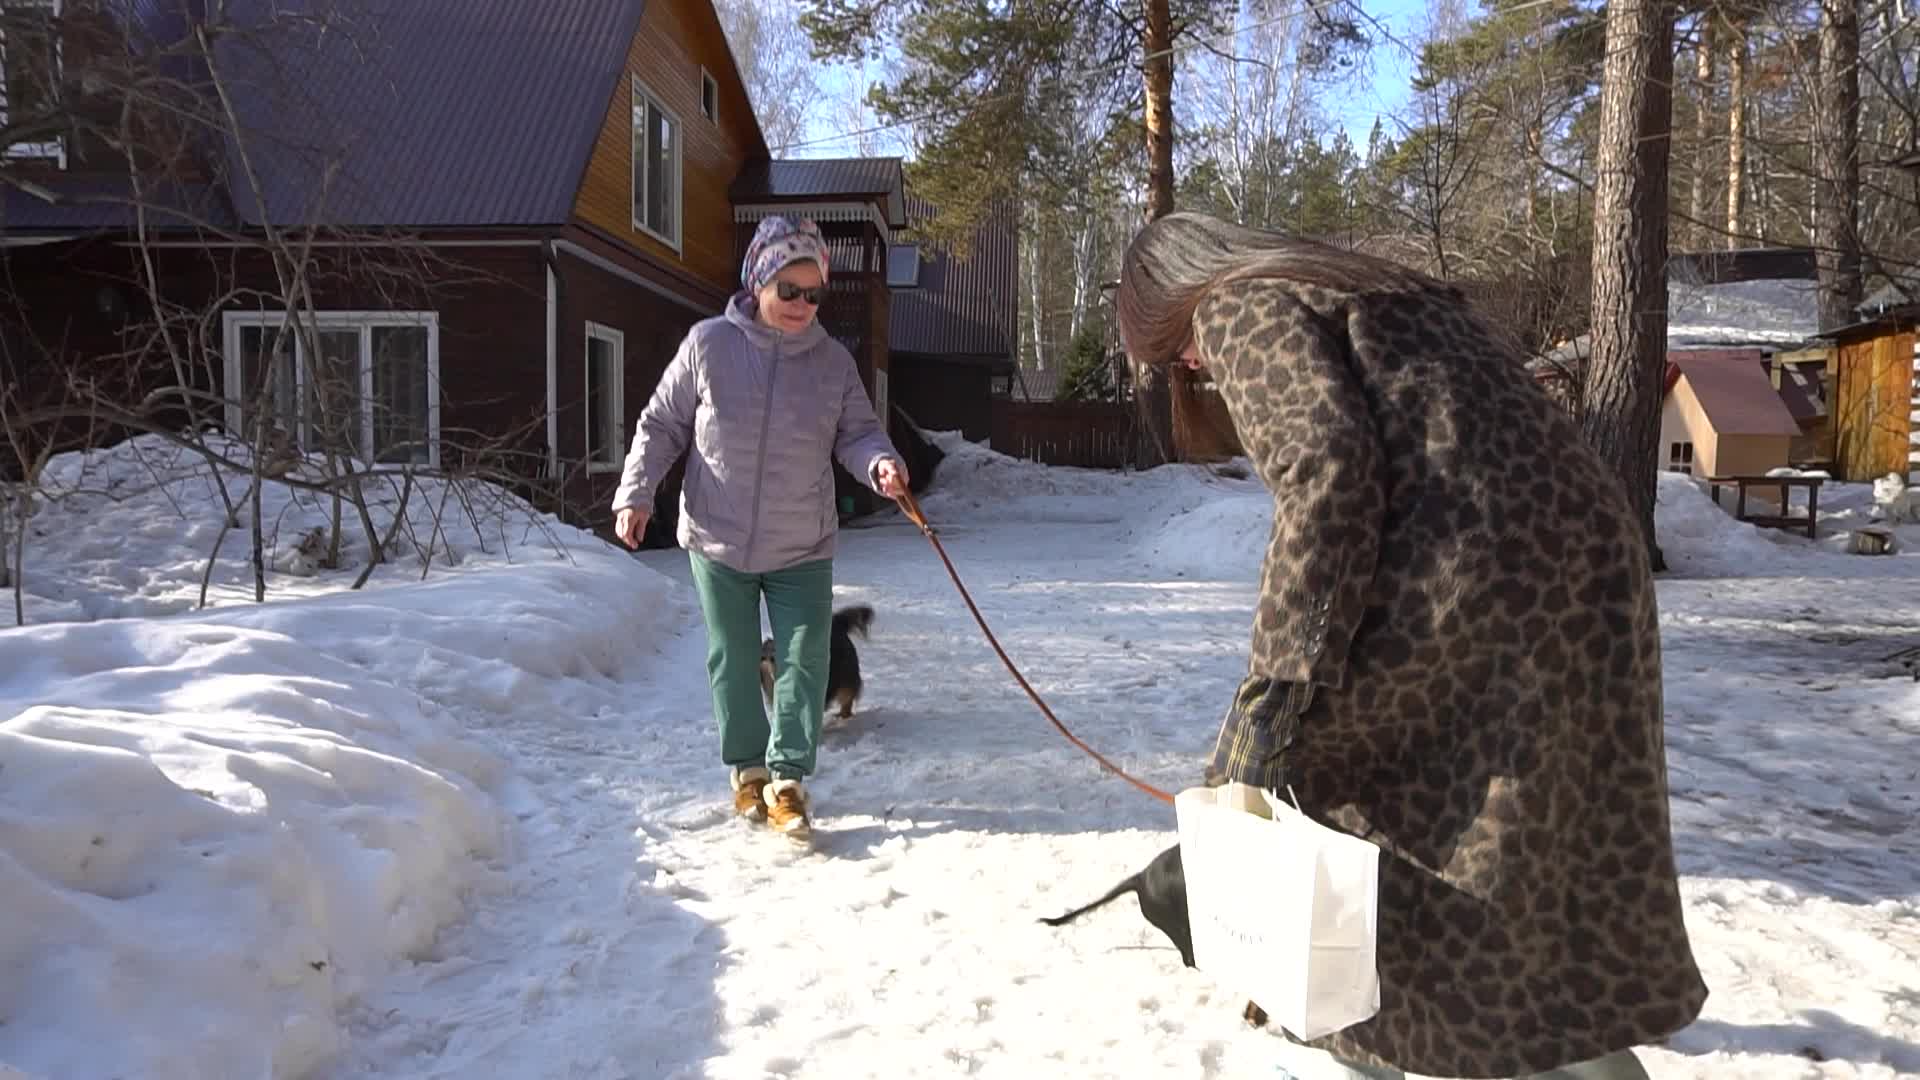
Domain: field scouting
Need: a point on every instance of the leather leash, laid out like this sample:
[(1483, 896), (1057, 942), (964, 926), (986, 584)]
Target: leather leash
[(911, 507)]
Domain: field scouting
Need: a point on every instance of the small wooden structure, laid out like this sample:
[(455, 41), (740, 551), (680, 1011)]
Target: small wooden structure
[(1875, 390), (1785, 484), (1872, 540)]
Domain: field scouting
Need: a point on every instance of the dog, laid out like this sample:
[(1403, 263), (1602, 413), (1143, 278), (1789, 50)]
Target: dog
[(844, 683), (1161, 889)]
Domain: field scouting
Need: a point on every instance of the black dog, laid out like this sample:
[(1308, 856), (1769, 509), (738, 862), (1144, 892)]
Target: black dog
[(1162, 891), (843, 666)]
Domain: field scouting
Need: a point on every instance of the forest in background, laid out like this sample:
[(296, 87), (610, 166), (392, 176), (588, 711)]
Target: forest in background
[(1485, 176)]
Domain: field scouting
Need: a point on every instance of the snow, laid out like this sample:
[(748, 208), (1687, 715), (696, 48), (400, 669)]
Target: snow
[(1781, 313), (473, 823)]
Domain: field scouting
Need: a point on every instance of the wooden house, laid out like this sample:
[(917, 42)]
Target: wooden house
[(518, 210), (1722, 415), (950, 331)]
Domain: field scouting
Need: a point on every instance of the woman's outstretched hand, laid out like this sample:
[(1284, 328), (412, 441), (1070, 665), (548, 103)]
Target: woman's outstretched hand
[(892, 477), (629, 525)]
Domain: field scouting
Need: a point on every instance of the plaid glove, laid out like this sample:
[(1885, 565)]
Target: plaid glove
[(1259, 727)]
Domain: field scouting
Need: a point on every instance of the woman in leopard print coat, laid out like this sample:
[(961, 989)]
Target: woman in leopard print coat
[(1456, 653)]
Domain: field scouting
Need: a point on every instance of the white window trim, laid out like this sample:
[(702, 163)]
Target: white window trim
[(618, 340), (706, 80), (56, 150), (364, 321), (642, 94)]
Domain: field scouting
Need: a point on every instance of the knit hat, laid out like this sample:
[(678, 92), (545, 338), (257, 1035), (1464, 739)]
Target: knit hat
[(777, 242)]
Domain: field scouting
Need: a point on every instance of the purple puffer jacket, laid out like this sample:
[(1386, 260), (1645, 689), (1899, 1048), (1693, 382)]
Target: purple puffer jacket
[(767, 412)]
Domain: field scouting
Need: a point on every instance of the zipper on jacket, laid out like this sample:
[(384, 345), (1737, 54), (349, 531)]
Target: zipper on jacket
[(760, 464)]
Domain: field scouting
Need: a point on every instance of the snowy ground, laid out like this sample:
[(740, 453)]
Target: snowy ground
[(473, 826)]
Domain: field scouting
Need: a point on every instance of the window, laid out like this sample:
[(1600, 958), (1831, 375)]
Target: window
[(903, 266), (371, 392), (709, 96), (656, 168), (1680, 457), (606, 408), (30, 74)]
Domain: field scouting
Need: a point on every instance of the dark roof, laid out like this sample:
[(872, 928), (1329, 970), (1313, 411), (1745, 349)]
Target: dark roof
[(1734, 391), (1744, 264), (962, 308), (816, 178), (432, 112), (1891, 320), (91, 203), (400, 113)]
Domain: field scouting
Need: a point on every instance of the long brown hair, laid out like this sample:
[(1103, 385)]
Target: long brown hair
[(1174, 262)]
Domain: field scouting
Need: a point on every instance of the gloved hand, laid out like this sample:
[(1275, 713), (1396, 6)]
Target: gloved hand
[(1259, 728)]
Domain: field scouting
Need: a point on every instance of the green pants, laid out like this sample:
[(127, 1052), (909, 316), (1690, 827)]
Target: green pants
[(800, 610)]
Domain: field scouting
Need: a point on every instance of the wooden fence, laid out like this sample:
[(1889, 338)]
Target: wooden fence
[(1088, 435)]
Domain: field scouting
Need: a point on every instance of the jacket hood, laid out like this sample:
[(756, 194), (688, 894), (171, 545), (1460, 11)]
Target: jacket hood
[(743, 312)]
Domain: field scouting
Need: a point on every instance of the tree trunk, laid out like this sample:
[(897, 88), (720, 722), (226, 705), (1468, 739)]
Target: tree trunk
[(1836, 148), (1620, 396), (1159, 77), (1702, 135), (1736, 130)]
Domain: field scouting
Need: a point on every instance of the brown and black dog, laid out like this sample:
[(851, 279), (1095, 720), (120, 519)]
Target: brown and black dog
[(844, 684)]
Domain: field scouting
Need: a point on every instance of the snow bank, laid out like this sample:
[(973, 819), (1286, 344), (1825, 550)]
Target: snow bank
[(128, 530), (1696, 535), (1223, 539), (217, 831), (978, 485)]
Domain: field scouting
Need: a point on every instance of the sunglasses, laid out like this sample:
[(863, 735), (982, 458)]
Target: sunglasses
[(789, 291)]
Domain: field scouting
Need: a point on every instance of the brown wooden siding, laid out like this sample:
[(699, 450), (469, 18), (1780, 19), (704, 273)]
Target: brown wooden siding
[(1873, 394), (676, 39), (490, 302), (652, 327), (943, 395)]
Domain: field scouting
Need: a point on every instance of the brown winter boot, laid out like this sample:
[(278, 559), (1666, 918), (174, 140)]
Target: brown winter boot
[(787, 806), (749, 792)]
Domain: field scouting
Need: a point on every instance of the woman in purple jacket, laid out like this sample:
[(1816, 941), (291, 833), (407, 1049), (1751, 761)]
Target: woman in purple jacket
[(767, 399)]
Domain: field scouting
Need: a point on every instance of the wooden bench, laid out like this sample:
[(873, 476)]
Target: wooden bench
[(1773, 521)]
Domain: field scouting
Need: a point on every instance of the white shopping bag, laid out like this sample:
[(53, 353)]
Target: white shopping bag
[(1283, 909)]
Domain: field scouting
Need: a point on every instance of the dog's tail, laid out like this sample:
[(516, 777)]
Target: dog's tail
[(853, 620), (1132, 884)]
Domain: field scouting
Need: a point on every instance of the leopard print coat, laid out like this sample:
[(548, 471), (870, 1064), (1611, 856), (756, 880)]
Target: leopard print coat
[(1466, 587)]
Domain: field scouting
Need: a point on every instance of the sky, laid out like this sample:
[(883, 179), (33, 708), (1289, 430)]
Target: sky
[(1382, 91)]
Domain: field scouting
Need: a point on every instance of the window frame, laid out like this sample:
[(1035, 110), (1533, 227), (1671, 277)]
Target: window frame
[(365, 322), (709, 96), (55, 150), (617, 341), (637, 130)]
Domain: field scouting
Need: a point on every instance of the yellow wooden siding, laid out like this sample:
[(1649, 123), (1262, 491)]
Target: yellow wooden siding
[(1873, 396), (677, 39)]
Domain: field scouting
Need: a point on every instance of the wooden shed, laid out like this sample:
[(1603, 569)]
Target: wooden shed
[(1875, 393)]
